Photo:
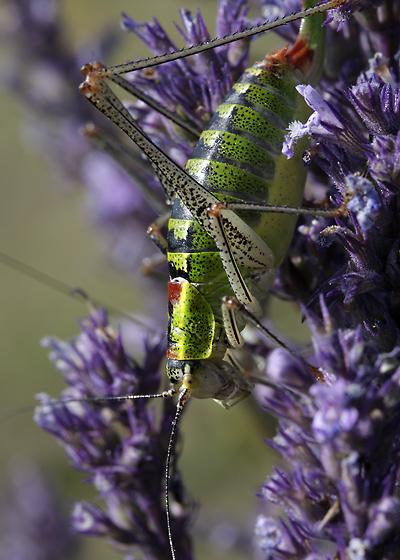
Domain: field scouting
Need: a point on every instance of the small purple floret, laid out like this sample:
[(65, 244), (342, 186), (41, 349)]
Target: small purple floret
[(365, 201)]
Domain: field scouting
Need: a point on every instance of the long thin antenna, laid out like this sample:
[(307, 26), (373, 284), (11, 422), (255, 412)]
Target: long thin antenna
[(8, 415), (60, 286), (183, 398), (164, 395), (245, 34)]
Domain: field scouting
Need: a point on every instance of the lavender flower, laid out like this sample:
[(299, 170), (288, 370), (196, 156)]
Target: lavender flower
[(336, 491), (339, 442), (121, 447)]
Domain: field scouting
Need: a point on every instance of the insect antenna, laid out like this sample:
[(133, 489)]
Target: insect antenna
[(71, 292), (16, 412), (61, 287), (185, 124), (109, 143), (112, 71), (183, 398)]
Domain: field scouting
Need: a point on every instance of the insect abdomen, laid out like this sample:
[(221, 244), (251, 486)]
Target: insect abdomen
[(238, 156)]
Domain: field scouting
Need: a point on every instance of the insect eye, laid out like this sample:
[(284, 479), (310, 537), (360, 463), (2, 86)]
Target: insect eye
[(190, 381)]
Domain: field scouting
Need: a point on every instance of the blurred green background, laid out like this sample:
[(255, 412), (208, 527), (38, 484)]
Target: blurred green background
[(224, 460)]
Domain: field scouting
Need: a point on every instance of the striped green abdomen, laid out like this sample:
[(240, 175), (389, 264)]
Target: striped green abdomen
[(238, 156)]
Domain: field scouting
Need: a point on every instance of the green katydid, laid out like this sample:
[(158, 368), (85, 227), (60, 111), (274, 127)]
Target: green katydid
[(236, 160), (214, 251)]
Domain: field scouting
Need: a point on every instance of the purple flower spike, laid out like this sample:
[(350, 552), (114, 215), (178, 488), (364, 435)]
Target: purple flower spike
[(385, 516), (285, 370), (119, 445), (378, 104), (328, 440)]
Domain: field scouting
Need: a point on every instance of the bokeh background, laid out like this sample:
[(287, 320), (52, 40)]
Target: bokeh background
[(224, 460)]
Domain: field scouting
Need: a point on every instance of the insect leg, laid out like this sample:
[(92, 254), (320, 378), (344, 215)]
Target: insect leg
[(155, 234), (186, 125), (218, 42), (128, 161)]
